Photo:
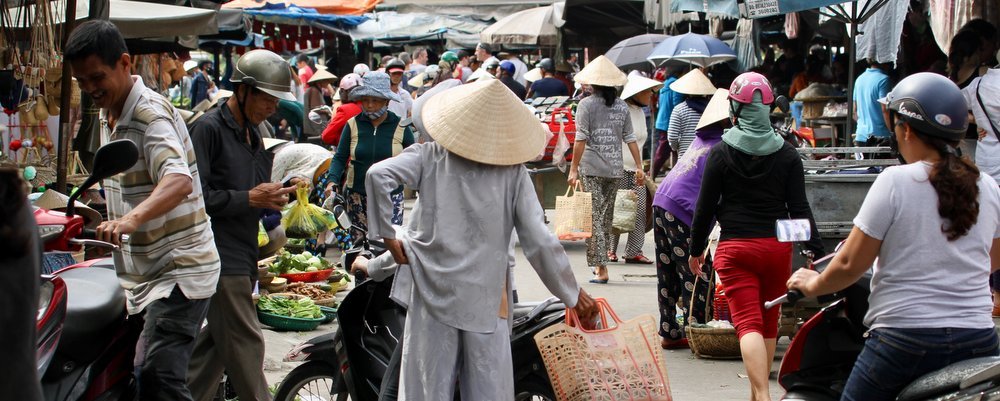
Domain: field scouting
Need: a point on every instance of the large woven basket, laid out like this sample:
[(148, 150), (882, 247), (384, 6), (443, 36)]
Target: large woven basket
[(714, 343)]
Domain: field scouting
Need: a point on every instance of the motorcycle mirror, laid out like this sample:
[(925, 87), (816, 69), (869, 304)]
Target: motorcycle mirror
[(793, 230), (113, 158), (342, 219), (781, 102)]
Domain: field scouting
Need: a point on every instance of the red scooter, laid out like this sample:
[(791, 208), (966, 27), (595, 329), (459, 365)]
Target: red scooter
[(821, 355), (86, 340)]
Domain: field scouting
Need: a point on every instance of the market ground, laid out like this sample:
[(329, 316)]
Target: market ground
[(630, 292)]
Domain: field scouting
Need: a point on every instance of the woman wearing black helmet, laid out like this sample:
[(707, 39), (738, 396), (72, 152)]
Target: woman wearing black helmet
[(933, 225)]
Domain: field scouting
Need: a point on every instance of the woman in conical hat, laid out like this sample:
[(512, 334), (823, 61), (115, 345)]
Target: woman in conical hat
[(451, 252)]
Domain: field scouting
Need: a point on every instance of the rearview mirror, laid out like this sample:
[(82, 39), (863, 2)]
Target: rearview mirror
[(111, 159), (794, 230), (781, 102), (342, 219)]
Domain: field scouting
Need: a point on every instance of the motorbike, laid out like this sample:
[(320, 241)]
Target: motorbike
[(352, 361), (821, 355), (86, 341)]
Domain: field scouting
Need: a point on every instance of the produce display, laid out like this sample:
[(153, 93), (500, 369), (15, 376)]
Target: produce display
[(304, 262), (313, 291), (303, 308)]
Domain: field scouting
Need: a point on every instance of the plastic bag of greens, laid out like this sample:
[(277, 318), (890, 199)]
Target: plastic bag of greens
[(304, 220)]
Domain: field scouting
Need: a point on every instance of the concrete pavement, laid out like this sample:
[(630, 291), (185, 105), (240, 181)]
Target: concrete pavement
[(629, 293)]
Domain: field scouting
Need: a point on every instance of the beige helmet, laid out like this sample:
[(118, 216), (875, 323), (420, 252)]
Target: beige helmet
[(264, 70)]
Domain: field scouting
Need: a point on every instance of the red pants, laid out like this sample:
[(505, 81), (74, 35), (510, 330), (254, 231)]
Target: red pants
[(754, 270)]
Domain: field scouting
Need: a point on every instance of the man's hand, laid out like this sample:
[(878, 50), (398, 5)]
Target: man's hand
[(396, 249), (270, 195), (803, 280), (360, 265), (112, 231), (586, 307)]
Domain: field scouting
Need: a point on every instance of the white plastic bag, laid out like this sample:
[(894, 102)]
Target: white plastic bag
[(559, 152)]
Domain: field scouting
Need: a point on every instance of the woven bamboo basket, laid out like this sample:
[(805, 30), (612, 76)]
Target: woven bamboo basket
[(714, 343)]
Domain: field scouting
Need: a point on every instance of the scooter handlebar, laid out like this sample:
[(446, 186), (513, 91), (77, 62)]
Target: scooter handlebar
[(790, 297)]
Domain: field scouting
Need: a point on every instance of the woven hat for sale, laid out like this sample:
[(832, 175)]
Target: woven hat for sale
[(717, 109), (638, 83), (322, 75), (52, 200), (601, 71), (484, 122), (694, 83)]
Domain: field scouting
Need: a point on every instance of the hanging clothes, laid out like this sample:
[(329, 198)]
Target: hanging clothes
[(948, 16), (747, 44), (881, 33), (792, 25)]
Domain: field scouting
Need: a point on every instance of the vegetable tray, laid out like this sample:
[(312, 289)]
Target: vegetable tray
[(308, 277), (289, 323)]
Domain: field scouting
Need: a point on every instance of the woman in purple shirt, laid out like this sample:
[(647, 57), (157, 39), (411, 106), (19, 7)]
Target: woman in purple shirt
[(673, 210)]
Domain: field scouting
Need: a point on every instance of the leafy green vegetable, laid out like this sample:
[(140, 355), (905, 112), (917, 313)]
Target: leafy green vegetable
[(303, 308), (287, 262)]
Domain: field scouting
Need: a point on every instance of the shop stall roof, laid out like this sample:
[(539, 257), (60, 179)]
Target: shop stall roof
[(329, 7), (291, 14), (144, 20), (532, 27), (605, 21), (395, 28), (486, 10)]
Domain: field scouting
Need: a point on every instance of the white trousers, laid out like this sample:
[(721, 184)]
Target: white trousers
[(436, 356)]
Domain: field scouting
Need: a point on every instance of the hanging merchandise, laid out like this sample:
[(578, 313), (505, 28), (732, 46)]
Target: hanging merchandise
[(746, 43), (879, 36), (792, 25)]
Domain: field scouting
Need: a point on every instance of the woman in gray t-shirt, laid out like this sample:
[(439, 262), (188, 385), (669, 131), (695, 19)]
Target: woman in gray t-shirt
[(602, 125), (934, 225)]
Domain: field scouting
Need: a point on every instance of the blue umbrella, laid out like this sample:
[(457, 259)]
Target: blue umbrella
[(700, 50)]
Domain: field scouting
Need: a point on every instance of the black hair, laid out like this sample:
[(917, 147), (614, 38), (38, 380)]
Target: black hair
[(964, 44), (98, 38), (608, 93), (984, 28), (956, 181), (203, 63), (462, 54)]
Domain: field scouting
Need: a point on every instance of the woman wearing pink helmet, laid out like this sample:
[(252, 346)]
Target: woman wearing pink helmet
[(346, 111), (752, 178)]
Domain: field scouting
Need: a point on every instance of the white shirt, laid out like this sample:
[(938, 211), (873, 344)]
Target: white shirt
[(520, 68), (987, 149), (922, 280), (639, 127), (402, 109)]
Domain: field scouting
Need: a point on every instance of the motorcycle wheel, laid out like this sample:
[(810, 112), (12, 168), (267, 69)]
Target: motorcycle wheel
[(310, 381), (533, 389)]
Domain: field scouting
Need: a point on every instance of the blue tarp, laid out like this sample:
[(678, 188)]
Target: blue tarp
[(295, 15)]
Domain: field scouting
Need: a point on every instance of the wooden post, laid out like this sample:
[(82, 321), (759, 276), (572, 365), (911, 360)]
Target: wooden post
[(65, 129)]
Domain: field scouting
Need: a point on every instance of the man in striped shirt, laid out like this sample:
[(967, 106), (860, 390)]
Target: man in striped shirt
[(168, 263)]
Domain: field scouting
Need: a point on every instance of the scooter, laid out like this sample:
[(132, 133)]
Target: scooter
[(353, 360), (86, 341), (821, 355)]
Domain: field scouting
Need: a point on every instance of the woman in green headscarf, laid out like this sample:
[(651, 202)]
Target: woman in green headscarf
[(752, 178)]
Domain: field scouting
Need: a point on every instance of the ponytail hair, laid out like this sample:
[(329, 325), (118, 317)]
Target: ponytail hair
[(609, 94), (956, 181)]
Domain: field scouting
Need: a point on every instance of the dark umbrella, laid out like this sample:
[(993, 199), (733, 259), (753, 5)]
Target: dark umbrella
[(630, 54), (700, 50)]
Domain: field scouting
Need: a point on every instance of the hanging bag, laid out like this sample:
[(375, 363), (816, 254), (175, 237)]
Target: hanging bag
[(619, 361), (623, 220), (574, 214)]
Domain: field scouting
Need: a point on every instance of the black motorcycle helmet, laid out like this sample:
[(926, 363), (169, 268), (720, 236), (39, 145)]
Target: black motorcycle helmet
[(931, 104)]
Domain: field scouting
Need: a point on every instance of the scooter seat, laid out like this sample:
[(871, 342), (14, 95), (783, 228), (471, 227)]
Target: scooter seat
[(946, 379), (95, 300)]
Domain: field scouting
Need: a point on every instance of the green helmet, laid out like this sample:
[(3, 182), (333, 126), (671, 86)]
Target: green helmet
[(449, 56), (264, 70)]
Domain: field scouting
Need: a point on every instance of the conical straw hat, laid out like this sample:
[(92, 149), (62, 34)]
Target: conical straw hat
[(534, 74), (484, 122), (601, 72), (638, 83), (322, 75), (694, 83), (717, 109)]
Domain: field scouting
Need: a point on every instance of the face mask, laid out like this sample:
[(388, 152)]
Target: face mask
[(374, 115)]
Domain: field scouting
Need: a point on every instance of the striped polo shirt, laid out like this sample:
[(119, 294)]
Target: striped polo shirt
[(680, 133), (177, 248)]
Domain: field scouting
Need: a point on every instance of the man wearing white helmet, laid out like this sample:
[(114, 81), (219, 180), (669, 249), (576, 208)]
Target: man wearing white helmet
[(361, 69), (236, 178)]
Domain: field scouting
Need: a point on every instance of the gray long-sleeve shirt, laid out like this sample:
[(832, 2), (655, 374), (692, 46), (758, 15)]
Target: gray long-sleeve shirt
[(458, 236)]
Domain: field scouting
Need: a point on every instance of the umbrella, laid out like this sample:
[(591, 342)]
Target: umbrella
[(700, 50), (630, 54), (534, 27)]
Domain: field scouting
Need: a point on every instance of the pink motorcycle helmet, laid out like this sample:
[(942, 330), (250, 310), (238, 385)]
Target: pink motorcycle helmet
[(746, 84), (349, 81)]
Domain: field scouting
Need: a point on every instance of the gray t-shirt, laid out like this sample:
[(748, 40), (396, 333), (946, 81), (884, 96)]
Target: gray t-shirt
[(604, 128), (920, 279)]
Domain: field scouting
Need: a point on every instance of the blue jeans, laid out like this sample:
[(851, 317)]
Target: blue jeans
[(892, 358)]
